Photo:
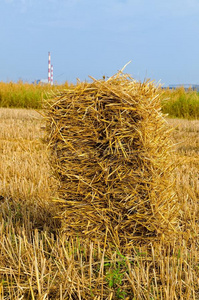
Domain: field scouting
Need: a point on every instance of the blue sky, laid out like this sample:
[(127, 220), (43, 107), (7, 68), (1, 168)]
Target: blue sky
[(98, 37)]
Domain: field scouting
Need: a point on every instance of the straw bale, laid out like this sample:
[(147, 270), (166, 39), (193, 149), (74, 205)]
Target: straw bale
[(111, 150)]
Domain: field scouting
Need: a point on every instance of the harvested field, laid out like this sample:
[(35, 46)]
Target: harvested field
[(39, 261)]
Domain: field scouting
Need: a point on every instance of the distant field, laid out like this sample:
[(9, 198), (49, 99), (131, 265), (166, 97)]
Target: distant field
[(176, 103), (180, 103), (25, 95), (39, 261)]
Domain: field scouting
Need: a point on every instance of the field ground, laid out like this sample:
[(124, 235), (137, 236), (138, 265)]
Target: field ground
[(38, 261)]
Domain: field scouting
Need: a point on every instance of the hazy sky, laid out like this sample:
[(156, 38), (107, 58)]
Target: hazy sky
[(98, 37)]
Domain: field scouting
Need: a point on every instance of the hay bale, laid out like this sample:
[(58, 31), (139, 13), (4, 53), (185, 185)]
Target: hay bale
[(111, 150)]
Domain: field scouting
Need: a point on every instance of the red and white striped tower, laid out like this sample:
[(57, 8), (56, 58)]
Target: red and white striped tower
[(51, 74), (49, 68)]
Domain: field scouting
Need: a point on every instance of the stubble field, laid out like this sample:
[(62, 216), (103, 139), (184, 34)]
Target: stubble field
[(38, 260)]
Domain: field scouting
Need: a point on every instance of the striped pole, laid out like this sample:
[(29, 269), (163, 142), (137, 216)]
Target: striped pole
[(51, 74), (49, 68)]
